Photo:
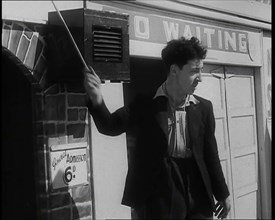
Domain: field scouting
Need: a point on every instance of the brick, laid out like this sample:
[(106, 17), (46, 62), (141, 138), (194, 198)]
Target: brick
[(83, 114), (40, 166), (60, 200), (82, 210), (81, 193), (43, 202), (43, 215), (76, 100), (62, 87), (43, 82), (42, 187), (35, 85), (55, 108), (23, 47), (38, 50), (39, 143), (72, 114), (76, 131), (28, 33), (30, 57), (50, 129), (38, 112), (40, 68), (8, 22), (75, 213), (61, 129), (16, 34), (53, 90), (6, 36), (61, 214), (29, 76), (38, 128)]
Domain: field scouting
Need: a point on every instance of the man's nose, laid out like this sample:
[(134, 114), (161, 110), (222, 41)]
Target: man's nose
[(199, 77)]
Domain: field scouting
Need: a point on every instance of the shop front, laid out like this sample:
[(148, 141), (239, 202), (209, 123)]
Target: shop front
[(232, 77), (80, 173)]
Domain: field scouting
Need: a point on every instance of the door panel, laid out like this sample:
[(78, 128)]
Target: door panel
[(212, 88), (240, 100), (231, 91), (246, 209)]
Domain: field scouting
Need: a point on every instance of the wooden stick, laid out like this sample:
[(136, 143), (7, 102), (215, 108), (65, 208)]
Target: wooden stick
[(75, 45)]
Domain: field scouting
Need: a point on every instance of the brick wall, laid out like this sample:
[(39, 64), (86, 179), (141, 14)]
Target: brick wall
[(59, 117)]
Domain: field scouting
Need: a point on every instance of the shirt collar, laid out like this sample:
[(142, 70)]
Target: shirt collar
[(189, 98)]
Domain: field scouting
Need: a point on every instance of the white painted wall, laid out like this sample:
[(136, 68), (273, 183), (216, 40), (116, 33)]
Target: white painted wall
[(250, 9), (34, 11), (109, 155)]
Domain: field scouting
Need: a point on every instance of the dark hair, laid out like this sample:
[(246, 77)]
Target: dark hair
[(182, 50)]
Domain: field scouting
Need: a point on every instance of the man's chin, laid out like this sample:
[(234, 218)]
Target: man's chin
[(192, 91)]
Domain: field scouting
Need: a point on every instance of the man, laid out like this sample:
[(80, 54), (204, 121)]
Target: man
[(175, 168)]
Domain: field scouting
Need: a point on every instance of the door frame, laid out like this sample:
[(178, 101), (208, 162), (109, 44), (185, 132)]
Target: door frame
[(219, 70), (263, 155)]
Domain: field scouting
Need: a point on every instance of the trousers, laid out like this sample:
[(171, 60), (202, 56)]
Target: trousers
[(189, 197)]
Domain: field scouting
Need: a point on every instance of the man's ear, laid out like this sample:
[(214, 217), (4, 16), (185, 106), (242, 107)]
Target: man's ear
[(173, 69)]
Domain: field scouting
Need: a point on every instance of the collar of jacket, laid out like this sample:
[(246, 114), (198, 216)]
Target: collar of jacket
[(189, 98)]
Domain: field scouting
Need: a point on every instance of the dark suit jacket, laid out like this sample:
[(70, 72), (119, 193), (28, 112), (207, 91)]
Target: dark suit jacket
[(150, 167)]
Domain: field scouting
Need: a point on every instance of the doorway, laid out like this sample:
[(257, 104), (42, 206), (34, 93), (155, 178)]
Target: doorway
[(231, 91), (17, 160)]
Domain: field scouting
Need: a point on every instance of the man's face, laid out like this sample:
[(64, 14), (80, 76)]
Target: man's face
[(189, 76)]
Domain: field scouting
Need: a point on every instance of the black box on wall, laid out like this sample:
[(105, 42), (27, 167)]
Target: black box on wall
[(101, 36)]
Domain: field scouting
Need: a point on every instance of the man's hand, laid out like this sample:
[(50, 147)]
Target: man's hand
[(222, 208), (92, 85)]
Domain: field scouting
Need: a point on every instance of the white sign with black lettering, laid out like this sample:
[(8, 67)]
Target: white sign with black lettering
[(68, 168)]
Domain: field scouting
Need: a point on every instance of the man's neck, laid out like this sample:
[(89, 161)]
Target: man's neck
[(176, 95)]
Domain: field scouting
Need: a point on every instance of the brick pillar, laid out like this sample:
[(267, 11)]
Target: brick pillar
[(59, 117), (66, 121)]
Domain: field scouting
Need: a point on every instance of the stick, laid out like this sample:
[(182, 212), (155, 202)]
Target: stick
[(78, 51)]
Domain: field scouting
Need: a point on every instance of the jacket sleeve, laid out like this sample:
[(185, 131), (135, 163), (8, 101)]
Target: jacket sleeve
[(109, 123), (212, 160)]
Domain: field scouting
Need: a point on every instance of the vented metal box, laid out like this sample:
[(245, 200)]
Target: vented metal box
[(102, 37)]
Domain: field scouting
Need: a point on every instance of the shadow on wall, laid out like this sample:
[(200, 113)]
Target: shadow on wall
[(62, 204)]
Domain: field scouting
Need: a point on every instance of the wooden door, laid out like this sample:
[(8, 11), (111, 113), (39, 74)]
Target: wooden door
[(240, 100), (212, 88), (231, 91)]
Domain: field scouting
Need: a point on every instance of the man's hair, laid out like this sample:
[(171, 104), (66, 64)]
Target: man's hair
[(182, 50)]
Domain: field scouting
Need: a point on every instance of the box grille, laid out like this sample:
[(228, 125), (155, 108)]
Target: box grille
[(107, 44)]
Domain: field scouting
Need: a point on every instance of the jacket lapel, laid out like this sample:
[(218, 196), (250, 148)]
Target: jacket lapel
[(193, 120)]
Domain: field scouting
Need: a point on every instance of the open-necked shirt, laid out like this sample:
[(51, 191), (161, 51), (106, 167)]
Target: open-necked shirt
[(178, 134)]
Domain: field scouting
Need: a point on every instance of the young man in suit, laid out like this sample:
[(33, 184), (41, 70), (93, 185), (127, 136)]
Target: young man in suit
[(175, 169)]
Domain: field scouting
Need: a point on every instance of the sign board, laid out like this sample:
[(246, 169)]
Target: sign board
[(68, 167), (227, 44)]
